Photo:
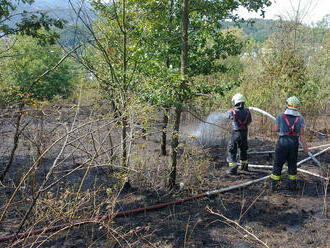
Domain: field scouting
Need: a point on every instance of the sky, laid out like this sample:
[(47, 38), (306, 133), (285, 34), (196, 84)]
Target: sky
[(311, 11)]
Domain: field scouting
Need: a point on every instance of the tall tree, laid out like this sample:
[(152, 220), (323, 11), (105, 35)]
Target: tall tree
[(114, 58), (157, 39), (187, 41), (212, 12)]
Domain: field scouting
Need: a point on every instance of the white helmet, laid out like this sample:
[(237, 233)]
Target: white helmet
[(237, 98)]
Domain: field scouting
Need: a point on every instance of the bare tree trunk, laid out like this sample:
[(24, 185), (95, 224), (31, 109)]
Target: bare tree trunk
[(125, 88), (15, 142), (166, 109), (124, 142), (178, 109), (164, 131), (184, 38), (174, 148), (110, 143)]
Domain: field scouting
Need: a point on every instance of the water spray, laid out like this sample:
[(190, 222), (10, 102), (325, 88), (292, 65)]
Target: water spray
[(209, 132)]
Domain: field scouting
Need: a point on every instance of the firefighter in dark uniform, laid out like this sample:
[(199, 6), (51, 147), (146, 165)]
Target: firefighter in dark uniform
[(290, 126), (241, 119)]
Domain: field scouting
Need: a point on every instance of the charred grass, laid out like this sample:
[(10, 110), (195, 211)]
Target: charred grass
[(80, 179)]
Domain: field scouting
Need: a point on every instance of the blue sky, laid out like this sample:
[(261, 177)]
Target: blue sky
[(311, 11)]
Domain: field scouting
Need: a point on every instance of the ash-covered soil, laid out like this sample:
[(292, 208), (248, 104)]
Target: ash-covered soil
[(278, 219), (251, 216)]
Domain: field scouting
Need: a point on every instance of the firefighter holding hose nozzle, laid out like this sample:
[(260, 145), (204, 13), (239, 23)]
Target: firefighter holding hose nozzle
[(241, 119), (290, 126)]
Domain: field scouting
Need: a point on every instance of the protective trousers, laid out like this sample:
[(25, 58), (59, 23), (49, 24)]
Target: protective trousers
[(238, 140), (286, 151)]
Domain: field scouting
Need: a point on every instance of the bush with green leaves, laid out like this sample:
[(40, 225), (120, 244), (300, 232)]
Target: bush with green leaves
[(24, 62), (292, 62)]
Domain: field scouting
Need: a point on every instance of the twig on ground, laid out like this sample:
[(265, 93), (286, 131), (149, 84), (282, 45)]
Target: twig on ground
[(236, 224), (325, 204), (186, 233), (254, 201)]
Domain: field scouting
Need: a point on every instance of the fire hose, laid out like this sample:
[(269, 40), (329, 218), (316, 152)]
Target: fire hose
[(145, 209)]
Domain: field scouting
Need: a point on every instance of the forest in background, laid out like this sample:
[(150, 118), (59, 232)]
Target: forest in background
[(104, 98), (257, 28)]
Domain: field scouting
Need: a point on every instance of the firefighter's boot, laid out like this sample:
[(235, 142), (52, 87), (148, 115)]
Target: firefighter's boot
[(232, 168), (273, 185), (292, 185), (244, 165), (292, 182), (274, 179)]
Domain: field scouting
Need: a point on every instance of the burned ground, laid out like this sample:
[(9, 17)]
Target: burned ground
[(246, 217)]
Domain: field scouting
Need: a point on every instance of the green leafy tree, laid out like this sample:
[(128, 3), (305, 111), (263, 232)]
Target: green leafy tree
[(114, 58), (24, 63), (28, 76), (208, 45), (316, 93), (187, 41), (290, 62), (149, 39)]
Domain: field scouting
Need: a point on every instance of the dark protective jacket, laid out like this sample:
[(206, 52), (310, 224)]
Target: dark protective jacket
[(287, 144), (283, 126), (241, 118)]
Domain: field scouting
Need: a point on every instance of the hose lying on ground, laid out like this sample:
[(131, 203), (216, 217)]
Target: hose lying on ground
[(139, 210), (299, 169)]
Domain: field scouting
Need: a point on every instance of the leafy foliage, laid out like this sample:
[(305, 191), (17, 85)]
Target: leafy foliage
[(209, 45), (24, 63), (291, 62)]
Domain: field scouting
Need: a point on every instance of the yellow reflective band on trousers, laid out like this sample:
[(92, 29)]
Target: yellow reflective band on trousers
[(274, 177), (292, 177), (243, 161), (232, 164)]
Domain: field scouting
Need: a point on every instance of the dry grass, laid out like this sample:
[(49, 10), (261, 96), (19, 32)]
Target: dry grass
[(70, 171)]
